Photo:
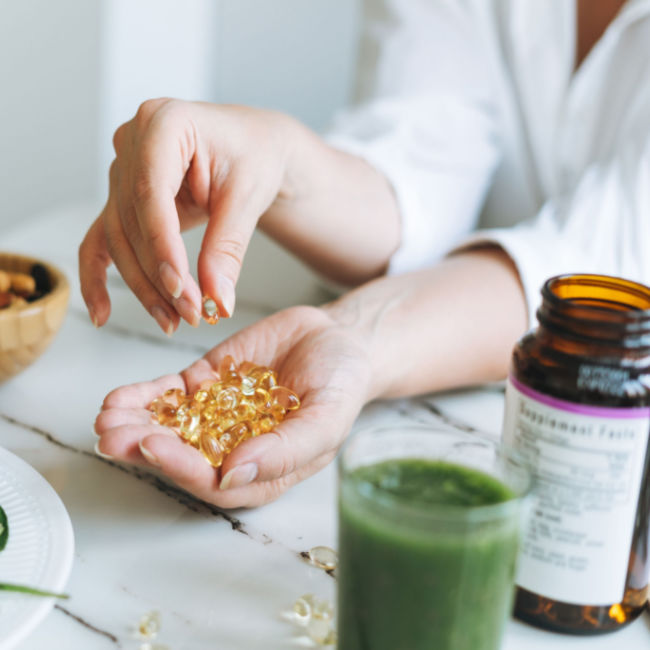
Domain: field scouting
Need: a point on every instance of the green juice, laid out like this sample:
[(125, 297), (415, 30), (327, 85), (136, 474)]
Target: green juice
[(427, 554)]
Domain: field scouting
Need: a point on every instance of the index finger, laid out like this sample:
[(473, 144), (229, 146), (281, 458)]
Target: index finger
[(156, 179), (94, 259), (140, 395)]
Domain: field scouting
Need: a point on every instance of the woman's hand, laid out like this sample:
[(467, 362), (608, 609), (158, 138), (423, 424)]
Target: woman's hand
[(325, 363), (179, 164)]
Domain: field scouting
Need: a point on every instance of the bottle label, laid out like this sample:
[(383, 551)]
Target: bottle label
[(588, 464)]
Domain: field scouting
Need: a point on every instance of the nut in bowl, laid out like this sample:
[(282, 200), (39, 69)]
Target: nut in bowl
[(33, 302)]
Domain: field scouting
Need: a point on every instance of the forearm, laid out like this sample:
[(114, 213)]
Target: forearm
[(335, 211), (449, 326)]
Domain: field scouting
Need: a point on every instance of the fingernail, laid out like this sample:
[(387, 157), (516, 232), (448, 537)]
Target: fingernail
[(188, 311), (93, 316), (100, 453), (226, 294), (150, 458), (165, 323), (170, 279), (239, 476)]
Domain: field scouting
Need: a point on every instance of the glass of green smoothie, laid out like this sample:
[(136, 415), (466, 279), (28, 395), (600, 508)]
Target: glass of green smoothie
[(429, 527)]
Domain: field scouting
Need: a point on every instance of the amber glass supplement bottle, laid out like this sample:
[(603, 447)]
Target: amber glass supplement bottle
[(578, 408)]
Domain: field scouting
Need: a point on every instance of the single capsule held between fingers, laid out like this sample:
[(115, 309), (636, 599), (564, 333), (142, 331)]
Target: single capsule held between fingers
[(210, 310)]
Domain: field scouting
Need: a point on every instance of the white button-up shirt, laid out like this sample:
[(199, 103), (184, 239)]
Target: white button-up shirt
[(473, 111)]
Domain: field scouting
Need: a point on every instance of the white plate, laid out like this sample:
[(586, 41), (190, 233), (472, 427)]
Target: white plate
[(39, 550)]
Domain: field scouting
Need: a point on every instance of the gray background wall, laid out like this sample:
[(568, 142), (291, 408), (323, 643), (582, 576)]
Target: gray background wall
[(71, 71)]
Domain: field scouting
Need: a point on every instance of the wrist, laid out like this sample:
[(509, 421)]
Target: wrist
[(365, 314), (296, 144)]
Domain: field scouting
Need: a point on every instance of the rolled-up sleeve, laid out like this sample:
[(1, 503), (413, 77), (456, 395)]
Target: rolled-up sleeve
[(426, 120), (602, 226)]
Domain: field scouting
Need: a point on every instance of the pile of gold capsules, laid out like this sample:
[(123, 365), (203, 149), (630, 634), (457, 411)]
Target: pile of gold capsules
[(243, 402)]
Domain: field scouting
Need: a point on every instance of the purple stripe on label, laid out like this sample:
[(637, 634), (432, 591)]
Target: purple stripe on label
[(583, 409)]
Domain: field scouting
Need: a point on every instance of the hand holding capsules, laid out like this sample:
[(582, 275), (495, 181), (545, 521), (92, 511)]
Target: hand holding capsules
[(312, 354)]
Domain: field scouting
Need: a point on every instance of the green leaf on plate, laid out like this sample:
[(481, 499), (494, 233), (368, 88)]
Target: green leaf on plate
[(23, 589), (4, 586), (4, 529)]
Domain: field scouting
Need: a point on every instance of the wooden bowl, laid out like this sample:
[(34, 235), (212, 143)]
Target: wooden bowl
[(26, 330)]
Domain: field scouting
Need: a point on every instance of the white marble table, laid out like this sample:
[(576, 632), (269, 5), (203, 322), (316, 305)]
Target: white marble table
[(218, 579)]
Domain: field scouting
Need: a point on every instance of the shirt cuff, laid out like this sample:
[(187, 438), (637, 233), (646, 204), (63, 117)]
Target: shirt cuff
[(431, 221), (539, 252), (413, 250)]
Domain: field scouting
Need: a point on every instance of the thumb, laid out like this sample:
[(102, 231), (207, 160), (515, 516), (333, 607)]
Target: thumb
[(225, 241), (93, 262), (293, 444)]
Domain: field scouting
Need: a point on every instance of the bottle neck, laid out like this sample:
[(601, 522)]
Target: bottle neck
[(596, 310)]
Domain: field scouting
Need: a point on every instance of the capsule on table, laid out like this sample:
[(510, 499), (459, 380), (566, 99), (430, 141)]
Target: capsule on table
[(324, 557)]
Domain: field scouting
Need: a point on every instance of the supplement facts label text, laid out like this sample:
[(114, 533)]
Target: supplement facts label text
[(587, 463)]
